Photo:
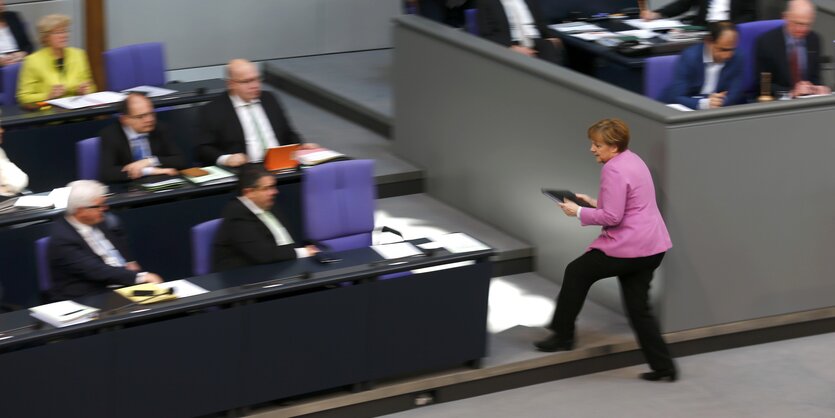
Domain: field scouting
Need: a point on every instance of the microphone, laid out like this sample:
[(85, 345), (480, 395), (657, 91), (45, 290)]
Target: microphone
[(392, 230)]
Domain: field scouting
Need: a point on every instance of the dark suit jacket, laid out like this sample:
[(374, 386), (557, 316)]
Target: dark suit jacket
[(690, 77), (741, 10), (244, 240), (221, 132), (773, 58), (116, 152), (77, 270), (493, 24), (18, 31)]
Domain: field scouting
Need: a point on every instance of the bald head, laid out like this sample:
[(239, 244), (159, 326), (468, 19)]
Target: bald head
[(243, 79), (799, 17)]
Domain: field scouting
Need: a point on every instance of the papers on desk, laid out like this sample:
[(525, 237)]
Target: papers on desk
[(593, 36), (214, 175), (88, 100), (162, 185), (638, 33), (183, 288), (317, 156), (576, 27), (397, 250), (33, 201), (679, 107), (654, 24), (145, 293), (59, 197), (459, 242), (150, 91), (64, 313)]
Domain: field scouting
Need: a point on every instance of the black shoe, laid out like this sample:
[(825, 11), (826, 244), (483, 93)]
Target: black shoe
[(553, 343), (668, 375)]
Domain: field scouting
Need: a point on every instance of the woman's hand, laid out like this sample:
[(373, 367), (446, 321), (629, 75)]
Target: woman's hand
[(586, 198), (569, 208), (57, 91)]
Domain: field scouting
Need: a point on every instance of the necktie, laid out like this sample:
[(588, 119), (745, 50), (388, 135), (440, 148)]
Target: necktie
[(257, 127), (794, 64), (139, 147), (110, 255), (279, 233)]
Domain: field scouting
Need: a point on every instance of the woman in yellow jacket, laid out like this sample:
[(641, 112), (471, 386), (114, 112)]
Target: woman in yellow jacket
[(55, 70)]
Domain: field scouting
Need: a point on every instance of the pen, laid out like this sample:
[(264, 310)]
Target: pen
[(75, 311)]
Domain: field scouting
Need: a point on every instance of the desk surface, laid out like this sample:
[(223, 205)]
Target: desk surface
[(188, 92), (231, 286)]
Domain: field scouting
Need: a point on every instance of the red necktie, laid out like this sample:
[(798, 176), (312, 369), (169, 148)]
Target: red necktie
[(794, 65)]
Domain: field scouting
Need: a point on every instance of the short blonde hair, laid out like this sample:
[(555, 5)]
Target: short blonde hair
[(49, 23), (612, 132)]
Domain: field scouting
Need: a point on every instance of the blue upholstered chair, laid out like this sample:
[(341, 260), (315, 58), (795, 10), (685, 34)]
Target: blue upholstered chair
[(87, 153), (135, 65), (202, 238), (338, 203), (658, 74), (748, 34), (42, 264), (471, 21), (9, 79)]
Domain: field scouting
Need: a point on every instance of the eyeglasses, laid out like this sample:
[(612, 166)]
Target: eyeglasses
[(142, 115), (247, 80)]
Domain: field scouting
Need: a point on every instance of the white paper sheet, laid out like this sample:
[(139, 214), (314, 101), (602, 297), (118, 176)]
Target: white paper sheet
[(397, 250), (654, 24), (460, 242), (183, 288), (150, 91)]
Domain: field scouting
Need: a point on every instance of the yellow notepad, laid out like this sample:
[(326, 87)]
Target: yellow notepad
[(159, 294)]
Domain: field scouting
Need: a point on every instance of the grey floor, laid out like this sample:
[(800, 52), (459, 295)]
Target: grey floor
[(792, 378)]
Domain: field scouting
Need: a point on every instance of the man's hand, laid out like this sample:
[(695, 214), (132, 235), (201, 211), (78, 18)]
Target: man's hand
[(822, 90), (152, 278), (649, 15), (236, 160), (311, 250), (133, 266), (309, 145), (134, 169), (523, 50), (803, 88), (166, 171), (716, 99)]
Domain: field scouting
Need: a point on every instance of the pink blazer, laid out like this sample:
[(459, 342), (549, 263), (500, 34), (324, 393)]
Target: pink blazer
[(626, 208)]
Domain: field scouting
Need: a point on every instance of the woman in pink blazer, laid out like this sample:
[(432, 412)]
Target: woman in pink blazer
[(631, 246)]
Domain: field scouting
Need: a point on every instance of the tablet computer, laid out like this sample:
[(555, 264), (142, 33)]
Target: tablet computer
[(563, 195)]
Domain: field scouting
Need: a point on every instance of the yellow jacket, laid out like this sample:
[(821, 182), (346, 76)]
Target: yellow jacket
[(38, 74)]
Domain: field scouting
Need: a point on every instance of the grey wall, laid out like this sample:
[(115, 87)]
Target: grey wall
[(210, 32), (744, 190)]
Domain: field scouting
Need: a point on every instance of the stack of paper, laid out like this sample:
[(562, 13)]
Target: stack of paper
[(654, 24), (34, 201), (398, 250), (150, 91), (64, 313), (88, 100), (216, 175), (576, 27), (317, 156), (460, 242), (163, 185)]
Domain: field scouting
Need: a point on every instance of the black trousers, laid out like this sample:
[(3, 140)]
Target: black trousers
[(634, 275)]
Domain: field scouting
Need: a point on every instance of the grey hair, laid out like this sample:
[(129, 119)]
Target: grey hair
[(83, 193)]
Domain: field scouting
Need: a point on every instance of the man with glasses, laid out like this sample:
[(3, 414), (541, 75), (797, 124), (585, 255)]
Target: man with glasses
[(791, 53), (239, 127), (709, 75), (86, 255), (137, 146), (252, 232)]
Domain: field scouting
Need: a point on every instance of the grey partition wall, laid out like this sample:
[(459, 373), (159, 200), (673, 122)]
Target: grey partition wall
[(209, 32), (745, 191)]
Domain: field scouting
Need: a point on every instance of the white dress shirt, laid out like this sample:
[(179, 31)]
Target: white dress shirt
[(718, 10), (522, 26), (8, 43), (712, 71), (282, 237), (12, 179), (257, 140)]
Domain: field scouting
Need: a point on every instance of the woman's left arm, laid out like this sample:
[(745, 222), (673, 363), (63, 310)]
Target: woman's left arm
[(611, 200)]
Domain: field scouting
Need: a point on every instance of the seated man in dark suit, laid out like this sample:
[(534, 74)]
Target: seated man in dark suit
[(250, 233), (239, 127), (736, 11), (792, 53), (86, 255), (137, 146), (518, 25), (709, 75)]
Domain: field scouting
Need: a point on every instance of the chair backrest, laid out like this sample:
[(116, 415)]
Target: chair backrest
[(42, 264), (658, 73), (338, 203), (748, 34), (9, 79), (87, 153), (202, 239), (471, 21), (135, 65)]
